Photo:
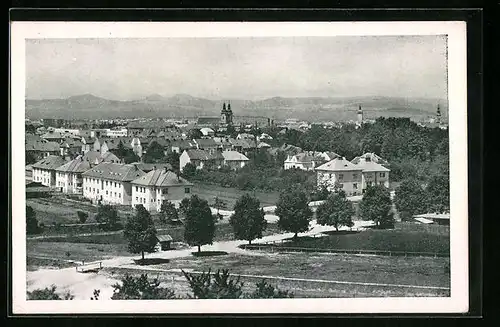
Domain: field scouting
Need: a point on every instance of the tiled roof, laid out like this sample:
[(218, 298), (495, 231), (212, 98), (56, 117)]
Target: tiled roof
[(51, 162), (148, 124), (147, 167), (371, 157), (234, 156), (77, 165), (305, 157), (196, 154), (164, 238), (44, 146), (161, 178), (208, 120), (115, 171), (263, 145), (370, 166), (205, 142), (339, 164), (92, 156), (183, 144)]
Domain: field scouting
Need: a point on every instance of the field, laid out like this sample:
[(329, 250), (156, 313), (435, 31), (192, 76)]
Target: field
[(231, 195), (405, 237), (420, 271)]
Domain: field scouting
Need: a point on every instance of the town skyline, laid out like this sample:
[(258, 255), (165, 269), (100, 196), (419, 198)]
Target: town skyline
[(238, 68)]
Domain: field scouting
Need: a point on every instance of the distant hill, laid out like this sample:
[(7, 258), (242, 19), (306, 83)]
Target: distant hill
[(88, 106)]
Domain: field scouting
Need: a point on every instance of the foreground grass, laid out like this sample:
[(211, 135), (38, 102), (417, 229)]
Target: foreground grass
[(231, 195), (399, 239), (348, 268)]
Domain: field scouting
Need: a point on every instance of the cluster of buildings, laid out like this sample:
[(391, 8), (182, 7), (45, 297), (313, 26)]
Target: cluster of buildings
[(333, 170)]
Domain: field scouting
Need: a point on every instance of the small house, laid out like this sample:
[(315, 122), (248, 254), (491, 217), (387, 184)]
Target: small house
[(164, 242)]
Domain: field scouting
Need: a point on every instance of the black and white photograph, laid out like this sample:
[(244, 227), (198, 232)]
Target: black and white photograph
[(214, 167)]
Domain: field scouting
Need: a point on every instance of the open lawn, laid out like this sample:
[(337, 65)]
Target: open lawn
[(231, 195), (344, 268), (407, 238)]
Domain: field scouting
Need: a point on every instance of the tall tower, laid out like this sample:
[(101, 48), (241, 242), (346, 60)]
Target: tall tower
[(360, 115), (223, 113), (229, 114), (438, 115)]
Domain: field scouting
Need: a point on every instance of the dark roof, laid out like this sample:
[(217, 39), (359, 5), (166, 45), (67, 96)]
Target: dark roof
[(51, 162), (196, 154), (78, 165), (161, 178), (147, 167), (207, 120), (44, 146), (164, 238), (95, 156), (115, 171), (206, 142), (183, 144)]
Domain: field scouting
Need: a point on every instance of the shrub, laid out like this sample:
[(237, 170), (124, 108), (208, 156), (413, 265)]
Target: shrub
[(82, 216)]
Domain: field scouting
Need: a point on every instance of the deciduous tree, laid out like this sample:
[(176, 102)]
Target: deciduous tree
[(438, 193), (336, 211), (48, 293), (410, 199), (140, 288), (154, 153), (107, 215), (168, 212), (376, 206), (32, 226), (248, 220), (293, 211), (140, 232), (82, 216), (199, 222)]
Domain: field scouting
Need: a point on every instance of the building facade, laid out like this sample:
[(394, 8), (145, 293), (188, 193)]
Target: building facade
[(69, 176), (158, 186), (44, 171), (340, 172), (110, 183)]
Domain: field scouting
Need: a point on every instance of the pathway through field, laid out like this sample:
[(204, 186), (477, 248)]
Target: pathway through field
[(83, 284)]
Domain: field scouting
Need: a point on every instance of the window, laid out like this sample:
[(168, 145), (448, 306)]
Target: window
[(136, 199), (341, 177), (115, 194), (152, 200), (355, 186), (115, 184), (164, 191), (341, 185), (187, 190), (106, 192), (106, 183), (382, 174), (354, 176), (137, 189)]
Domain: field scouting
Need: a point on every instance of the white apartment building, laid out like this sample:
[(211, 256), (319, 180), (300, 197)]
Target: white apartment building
[(44, 171), (69, 176), (157, 186), (110, 183), (303, 161), (117, 132)]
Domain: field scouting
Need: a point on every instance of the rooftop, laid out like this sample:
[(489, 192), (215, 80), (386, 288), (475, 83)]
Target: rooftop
[(77, 165), (339, 164), (161, 178), (234, 156), (115, 171), (51, 162), (196, 154)]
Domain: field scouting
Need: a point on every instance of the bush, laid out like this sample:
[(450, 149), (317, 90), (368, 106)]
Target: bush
[(48, 294), (82, 216)]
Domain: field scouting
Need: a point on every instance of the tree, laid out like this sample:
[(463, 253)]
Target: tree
[(248, 220), (168, 212), (216, 286), (140, 232), (293, 211), (438, 193), (410, 199), (321, 194), (336, 211), (82, 216), (32, 226), (140, 288), (154, 153), (48, 294), (199, 223), (376, 206), (189, 170), (30, 158), (130, 157), (173, 159), (107, 215)]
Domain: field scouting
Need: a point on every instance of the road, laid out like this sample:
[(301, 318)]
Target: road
[(82, 285)]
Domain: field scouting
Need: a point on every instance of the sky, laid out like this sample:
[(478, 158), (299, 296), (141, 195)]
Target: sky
[(238, 68)]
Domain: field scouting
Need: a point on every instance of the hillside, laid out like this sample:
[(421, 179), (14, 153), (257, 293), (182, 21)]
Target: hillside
[(88, 106)]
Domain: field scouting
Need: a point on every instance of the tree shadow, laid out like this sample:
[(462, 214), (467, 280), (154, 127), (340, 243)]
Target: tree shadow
[(340, 232), (208, 253), (150, 261)]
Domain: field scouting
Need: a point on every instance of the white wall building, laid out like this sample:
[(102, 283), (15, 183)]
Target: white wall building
[(157, 186), (69, 175), (44, 171), (109, 183), (117, 132)]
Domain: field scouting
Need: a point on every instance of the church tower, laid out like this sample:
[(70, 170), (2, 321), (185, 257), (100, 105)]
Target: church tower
[(229, 114), (223, 113), (360, 115), (438, 115)]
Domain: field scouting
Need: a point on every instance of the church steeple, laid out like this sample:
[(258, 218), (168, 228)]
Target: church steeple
[(360, 115), (438, 115)]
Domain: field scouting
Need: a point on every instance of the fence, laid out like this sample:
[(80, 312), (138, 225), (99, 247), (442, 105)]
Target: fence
[(273, 248)]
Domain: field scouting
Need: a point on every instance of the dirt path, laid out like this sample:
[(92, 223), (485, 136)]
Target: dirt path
[(81, 285)]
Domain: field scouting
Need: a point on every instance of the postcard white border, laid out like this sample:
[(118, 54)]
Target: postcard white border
[(457, 91)]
